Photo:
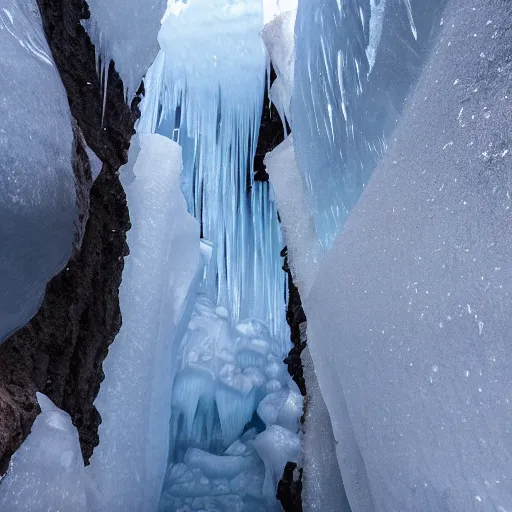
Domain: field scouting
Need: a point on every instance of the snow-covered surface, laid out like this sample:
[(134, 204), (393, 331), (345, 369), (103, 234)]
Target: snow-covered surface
[(349, 90), (129, 464), (47, 472), (37, 188), (125, 31)]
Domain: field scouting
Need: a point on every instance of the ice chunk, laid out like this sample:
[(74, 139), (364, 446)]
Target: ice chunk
[(159, 275), (126, 32), (217, 466), (278, 36), (342, 113), (37, 186), (47, 471), (282, 408), (276, 446)]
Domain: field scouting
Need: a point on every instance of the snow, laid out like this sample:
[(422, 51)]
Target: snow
[(48, 470), (304, 252), (37, 187), (125, 31), (159, 277), (278, 36)]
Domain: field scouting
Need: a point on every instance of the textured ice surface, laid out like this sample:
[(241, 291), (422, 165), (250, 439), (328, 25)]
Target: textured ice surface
[(126, 31), (355, 64), (409, 319), (47, 472), (134, 401), (37, 189), (297, 222), (223, 375), (323, 488)]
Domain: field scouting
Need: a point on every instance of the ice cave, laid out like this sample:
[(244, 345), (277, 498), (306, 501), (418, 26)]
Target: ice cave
[(254, 256)]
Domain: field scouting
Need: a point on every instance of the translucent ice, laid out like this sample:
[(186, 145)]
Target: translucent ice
[(349, 88), (125, 31), (408, 322), (209, 98), (276, 446), (37, 188)]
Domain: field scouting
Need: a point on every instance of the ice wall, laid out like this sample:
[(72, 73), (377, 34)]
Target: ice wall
[(129, 464), (125, 31), (407, 318), (37, 188), (356, 61)]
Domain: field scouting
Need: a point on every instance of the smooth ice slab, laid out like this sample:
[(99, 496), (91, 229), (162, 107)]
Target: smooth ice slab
[(37, 188), (356, 61)]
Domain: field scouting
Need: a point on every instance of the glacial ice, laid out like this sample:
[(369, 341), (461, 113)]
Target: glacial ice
[(278, 36), (276, 446), (125, 31), (422, 303), (160, 276), (407, 322), (37, 187)]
